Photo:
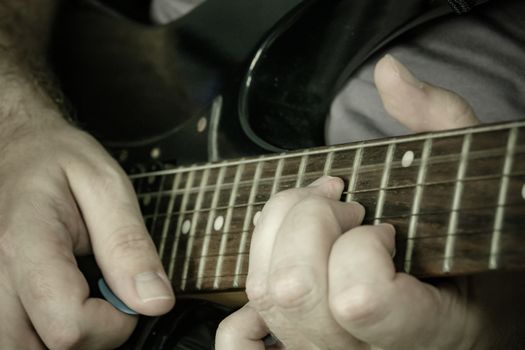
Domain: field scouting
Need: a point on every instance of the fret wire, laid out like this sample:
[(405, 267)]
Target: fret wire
[(180, 220), (139, 186), (328, 162), (469, 179), (209, 226), (384, 183), (194, 220), (247, 221), (456, 203), (502, 199), (427, 147), (157, 204), (224, 236), (167, 219), (277, 176), (358, 158), (301, 171), (352, 146), (368, 168)]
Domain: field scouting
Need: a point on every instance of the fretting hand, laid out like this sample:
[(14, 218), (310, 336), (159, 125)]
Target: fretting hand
[(319, 280)]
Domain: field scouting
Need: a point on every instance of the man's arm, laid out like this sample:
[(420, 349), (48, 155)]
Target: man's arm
[(62, 195), (25, 30)]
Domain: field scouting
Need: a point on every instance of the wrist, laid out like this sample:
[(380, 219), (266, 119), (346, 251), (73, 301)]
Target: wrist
[(24, 107)]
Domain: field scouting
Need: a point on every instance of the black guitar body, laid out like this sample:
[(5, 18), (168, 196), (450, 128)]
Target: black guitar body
[(232, 78), (139, 87)]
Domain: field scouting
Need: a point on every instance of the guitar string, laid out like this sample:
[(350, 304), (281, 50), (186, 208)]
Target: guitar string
[(400, 242), (481, 258), (238, 253), (404, 241), (314, 174), (379, 166), (290, 180), (147, 216), (367, 144), (368, 222)]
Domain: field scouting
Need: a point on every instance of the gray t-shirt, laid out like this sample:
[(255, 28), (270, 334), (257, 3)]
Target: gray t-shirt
[(481, 56)]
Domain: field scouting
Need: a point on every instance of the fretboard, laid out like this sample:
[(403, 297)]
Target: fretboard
[(456, 198)]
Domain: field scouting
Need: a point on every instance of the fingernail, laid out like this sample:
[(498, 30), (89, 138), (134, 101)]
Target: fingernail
[(390, 227), (360, 210), (403, 72), (150, 286)]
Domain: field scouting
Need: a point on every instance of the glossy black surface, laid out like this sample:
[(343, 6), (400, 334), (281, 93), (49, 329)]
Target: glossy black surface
[(276, 63), (135, 84), (287, 94)]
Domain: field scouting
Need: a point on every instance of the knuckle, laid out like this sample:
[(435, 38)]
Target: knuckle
[(227, 329), (38, 287), (313, 205), (63, 335), (315, 213), (256, 290), (110, 178), (7, 251), (294, 288), (129, 241), (288, 196), (360, 306), (367, 236)]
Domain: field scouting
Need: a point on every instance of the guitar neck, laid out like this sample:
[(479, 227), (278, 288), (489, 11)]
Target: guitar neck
[(456, 198)]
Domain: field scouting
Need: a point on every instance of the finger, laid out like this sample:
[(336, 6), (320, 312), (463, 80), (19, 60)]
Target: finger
[(242, 330), (381, 307), (299, 265), (55, 294), (15, 329), (122, 246), (418, 105), (263, 237)]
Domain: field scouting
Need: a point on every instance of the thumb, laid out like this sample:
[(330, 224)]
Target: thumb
[(420, 106), (121, 244), (242, 330)]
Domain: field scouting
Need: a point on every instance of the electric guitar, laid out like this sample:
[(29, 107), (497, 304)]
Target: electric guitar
[(456, 198)]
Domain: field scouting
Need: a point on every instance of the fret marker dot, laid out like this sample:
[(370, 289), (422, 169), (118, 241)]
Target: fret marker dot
[(201, 124), (523, 192), (217, 224), (256, 218), (147, 200), (186, 225), (408, 159), (155, 153)]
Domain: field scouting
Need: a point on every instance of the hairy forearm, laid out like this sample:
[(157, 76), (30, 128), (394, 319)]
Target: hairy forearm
[(25, 25), (25, 79)]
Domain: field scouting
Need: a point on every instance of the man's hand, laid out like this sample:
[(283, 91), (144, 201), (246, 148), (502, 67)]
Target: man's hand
[(62, 195), (318, 280)]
